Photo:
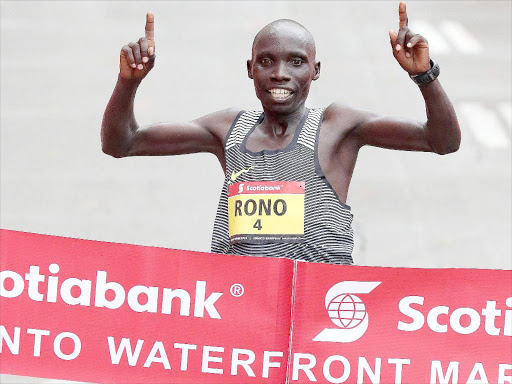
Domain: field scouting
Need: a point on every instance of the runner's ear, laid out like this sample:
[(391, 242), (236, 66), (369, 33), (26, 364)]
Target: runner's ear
[(249, 68), (317, 70)]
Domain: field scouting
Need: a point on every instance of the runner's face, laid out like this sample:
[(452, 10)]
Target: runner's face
[(282, 67)]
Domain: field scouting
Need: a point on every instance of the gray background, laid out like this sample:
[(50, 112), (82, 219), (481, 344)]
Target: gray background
[(59, 64)]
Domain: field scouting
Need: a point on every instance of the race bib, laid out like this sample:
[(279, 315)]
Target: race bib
[(266, 211)]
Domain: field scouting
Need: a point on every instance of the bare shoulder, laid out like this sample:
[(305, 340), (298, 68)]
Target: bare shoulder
[(218, 123), (340, 120), (342, 115)]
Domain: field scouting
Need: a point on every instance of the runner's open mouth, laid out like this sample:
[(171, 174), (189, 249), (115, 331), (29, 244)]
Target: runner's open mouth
[(280, 93)]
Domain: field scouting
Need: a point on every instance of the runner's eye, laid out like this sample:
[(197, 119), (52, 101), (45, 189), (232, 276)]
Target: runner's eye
[(266, 61), (297, 61)]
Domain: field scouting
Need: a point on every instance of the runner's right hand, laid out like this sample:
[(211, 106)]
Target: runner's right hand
[(137, 59)]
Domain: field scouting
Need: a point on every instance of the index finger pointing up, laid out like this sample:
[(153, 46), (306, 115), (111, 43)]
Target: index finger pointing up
[(402, 12), (150, 26)]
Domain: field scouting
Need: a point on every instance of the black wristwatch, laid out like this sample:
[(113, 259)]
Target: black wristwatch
[(427, 77)]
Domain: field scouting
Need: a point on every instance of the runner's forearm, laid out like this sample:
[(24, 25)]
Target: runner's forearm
[(443, 132), (119, 122)]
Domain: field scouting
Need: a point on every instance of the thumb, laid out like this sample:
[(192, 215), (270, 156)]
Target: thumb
[(393, 38)]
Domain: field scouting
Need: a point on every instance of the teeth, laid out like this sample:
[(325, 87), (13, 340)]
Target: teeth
[(279, 93)]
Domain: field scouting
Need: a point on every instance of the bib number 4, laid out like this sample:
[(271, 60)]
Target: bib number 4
[(257, 225)]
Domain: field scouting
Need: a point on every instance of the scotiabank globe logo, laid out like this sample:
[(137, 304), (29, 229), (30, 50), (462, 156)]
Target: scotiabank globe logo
[(347, 311)]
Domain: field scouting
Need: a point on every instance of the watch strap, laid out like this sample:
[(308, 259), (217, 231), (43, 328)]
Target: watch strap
[(428, 76)]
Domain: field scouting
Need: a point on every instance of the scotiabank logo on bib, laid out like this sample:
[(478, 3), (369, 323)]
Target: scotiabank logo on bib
[(347, 311)]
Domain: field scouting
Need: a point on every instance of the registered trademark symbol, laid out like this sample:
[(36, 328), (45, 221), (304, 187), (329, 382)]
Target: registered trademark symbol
[(237, 290)]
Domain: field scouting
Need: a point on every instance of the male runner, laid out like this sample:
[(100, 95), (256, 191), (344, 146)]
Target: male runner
[(288, 168)]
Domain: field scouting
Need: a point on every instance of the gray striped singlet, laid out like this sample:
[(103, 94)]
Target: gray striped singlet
[(327, 233)]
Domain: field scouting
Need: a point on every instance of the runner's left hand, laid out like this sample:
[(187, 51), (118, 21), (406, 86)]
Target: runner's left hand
[(410, 49)]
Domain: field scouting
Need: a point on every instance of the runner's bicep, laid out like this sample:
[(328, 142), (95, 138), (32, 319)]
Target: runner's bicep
[(392, 133), (205, 134), (173, 139)]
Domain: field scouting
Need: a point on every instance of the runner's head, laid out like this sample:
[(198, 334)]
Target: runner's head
[(283, 65)]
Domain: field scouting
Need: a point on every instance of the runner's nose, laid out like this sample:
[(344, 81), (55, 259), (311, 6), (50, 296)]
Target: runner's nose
[(280, 72)]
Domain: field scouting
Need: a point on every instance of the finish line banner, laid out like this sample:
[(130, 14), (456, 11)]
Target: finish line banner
[(103, 312)]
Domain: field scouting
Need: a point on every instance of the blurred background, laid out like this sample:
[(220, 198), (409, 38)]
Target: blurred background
[(59, 64)]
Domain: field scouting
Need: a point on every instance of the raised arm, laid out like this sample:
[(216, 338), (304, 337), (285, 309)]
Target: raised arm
[(439, 134), (121, 135)]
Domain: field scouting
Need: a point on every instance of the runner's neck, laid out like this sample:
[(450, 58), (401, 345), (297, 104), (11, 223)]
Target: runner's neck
[(279, 125)]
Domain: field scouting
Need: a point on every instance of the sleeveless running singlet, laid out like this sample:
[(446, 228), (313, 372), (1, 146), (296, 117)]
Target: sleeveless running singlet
[(278, 203)]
